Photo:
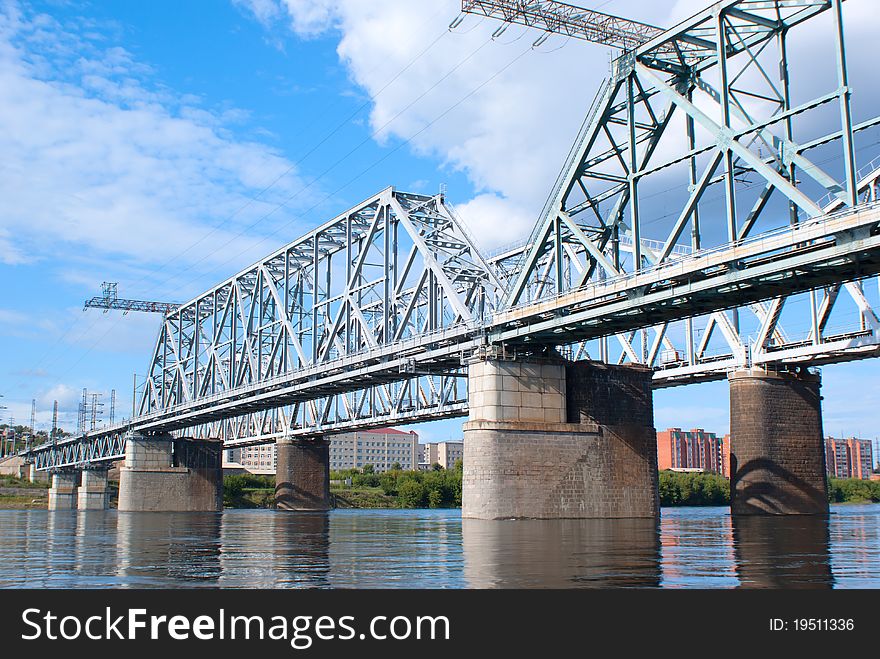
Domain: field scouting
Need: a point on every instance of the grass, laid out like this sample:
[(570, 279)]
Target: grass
[(19, 502), (22, 483), (250, 497), (363, 497)]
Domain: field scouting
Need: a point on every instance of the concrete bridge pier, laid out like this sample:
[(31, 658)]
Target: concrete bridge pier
[(162, 473), (62, 494), (302, 477), (553, 439), (777, 460), (93, 493)]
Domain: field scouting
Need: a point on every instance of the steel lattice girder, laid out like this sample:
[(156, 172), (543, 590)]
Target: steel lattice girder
[(78, 452), (397, 266), (415, 400), (734, 115)]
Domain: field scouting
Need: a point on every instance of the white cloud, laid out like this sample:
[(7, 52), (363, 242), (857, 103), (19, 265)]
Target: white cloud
[(312, 17), (265, 11), (67, 397), (100, 159), (495, 219)]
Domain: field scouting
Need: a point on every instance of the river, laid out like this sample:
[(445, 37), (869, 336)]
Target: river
[(689, 548)]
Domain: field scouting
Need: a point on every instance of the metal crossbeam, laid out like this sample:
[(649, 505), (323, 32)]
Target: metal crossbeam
[(111, 301), (562, 18)]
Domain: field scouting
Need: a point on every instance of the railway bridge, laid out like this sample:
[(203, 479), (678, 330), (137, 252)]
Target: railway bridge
[(710, 222)]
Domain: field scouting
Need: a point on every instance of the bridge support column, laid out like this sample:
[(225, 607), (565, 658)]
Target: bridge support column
[(777, 448), (302, 477), (93, 493), (32, 473), (162, 473), (62, 494), (551, 439)]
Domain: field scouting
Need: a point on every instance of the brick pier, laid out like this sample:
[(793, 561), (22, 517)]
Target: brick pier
[(777, 451), (553, 439), (302, 478)]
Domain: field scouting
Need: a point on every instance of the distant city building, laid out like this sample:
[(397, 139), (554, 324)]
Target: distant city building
[(262, 459), (381, 448), (443, 453), (849, 458), (693, 450), (232, 458)]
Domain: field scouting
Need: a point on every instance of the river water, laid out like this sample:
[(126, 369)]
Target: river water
[(689, 548)]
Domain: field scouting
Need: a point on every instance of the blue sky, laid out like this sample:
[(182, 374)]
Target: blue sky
[(165, 145)]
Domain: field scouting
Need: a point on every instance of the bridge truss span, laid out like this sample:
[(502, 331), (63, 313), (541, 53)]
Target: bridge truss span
[(386, 277)]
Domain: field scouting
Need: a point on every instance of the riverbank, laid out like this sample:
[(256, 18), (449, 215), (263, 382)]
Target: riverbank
[(21, 494), (442, 489), (433, 489)]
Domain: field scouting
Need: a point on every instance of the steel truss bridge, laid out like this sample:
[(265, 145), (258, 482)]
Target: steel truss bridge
[(705, 220)]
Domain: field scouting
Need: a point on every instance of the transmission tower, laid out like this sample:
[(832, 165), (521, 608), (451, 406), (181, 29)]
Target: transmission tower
[(81, 416), (111, 300), (95, 409), (55, 421), (33, 422)]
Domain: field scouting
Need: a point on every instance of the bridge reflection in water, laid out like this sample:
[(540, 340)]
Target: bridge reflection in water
[(696, 547)]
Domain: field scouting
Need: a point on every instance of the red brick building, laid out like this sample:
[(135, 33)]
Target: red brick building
[(693, 449), (849, 458)]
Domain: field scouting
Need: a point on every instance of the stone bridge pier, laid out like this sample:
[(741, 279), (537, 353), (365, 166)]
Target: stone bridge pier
[(63, 491), (302, 476), (550, 439), (93, 493), (165, 473), (777, 450)]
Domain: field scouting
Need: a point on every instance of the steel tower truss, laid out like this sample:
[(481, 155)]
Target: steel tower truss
[(707, 105)]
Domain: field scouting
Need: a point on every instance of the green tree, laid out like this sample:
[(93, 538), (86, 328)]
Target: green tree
[(411, 494), (435, 498), (368, 469)]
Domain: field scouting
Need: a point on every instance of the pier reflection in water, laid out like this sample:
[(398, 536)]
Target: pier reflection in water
[(696, 547), (156, 549), (590, 553), (783, 552), (301, 550)]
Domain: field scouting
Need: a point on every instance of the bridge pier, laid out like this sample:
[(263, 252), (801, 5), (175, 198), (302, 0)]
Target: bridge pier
[(62, 494), (168, 474), (554, 439), (777, 461), (302, 476), (93, 492)]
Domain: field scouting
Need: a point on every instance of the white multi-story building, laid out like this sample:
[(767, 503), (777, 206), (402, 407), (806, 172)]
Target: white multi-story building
[(262, 459), (443, 453), (381, 448)]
